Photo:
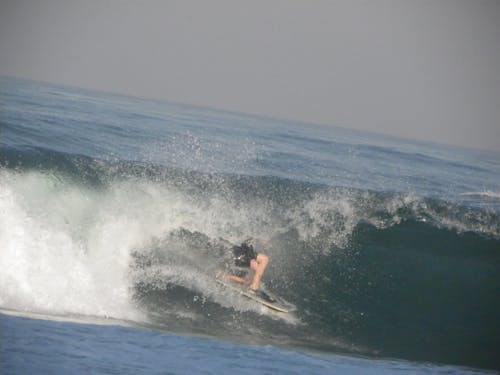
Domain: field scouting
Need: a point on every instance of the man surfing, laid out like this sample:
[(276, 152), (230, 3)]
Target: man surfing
[(250, 269)]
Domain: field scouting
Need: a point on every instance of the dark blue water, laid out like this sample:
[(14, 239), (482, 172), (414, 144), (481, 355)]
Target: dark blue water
[(120, 209), (113, 349)]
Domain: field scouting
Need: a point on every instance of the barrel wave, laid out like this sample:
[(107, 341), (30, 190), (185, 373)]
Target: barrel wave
[(372, 273)]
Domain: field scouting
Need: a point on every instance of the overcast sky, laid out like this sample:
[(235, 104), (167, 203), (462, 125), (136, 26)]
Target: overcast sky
[(423, 69)]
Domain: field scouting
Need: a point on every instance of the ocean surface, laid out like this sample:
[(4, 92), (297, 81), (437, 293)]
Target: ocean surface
[(116, 213)]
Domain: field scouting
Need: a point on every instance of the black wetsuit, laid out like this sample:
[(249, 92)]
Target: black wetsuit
[(243, 254)]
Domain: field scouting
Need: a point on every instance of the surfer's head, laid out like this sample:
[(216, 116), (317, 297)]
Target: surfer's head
[(243, 255)]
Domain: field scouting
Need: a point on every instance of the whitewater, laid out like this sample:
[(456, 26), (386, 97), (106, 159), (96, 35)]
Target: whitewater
[(117, 212)]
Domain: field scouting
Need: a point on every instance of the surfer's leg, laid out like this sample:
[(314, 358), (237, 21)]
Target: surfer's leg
[(259, 265)]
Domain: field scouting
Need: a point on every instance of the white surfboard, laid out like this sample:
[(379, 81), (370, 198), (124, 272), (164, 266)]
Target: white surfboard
[(273, 304)]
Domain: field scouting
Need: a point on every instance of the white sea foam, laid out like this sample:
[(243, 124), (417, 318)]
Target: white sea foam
[(47, 265), (65, 248)]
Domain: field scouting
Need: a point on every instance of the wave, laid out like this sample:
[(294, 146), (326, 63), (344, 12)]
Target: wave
[(370, 272), (486, 194)]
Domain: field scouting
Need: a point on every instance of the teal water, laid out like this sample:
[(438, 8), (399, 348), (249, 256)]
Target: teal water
[(119, 208)]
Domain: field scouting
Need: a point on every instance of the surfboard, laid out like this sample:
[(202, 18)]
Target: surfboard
[(273, 303)]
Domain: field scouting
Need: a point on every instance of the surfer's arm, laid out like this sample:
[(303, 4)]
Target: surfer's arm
[(238, 280)]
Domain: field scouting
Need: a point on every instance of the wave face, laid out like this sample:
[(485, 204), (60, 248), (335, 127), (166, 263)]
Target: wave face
[(373, 273)]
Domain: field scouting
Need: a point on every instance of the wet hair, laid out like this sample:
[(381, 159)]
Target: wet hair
[(243, 254)]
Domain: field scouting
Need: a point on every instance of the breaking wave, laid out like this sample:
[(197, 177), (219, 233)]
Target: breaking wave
[(370, 272)]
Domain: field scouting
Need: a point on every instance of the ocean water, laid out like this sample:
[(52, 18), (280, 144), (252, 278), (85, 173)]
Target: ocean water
[(116, 213)]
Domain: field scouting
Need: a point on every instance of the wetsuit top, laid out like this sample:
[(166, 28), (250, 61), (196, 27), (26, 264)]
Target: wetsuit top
[(243, 255)]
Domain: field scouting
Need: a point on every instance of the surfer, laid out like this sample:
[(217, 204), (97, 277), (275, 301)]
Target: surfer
[(249, 267), (246, 259)]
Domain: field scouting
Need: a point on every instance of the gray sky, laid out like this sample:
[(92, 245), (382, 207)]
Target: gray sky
[(423, 69)]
